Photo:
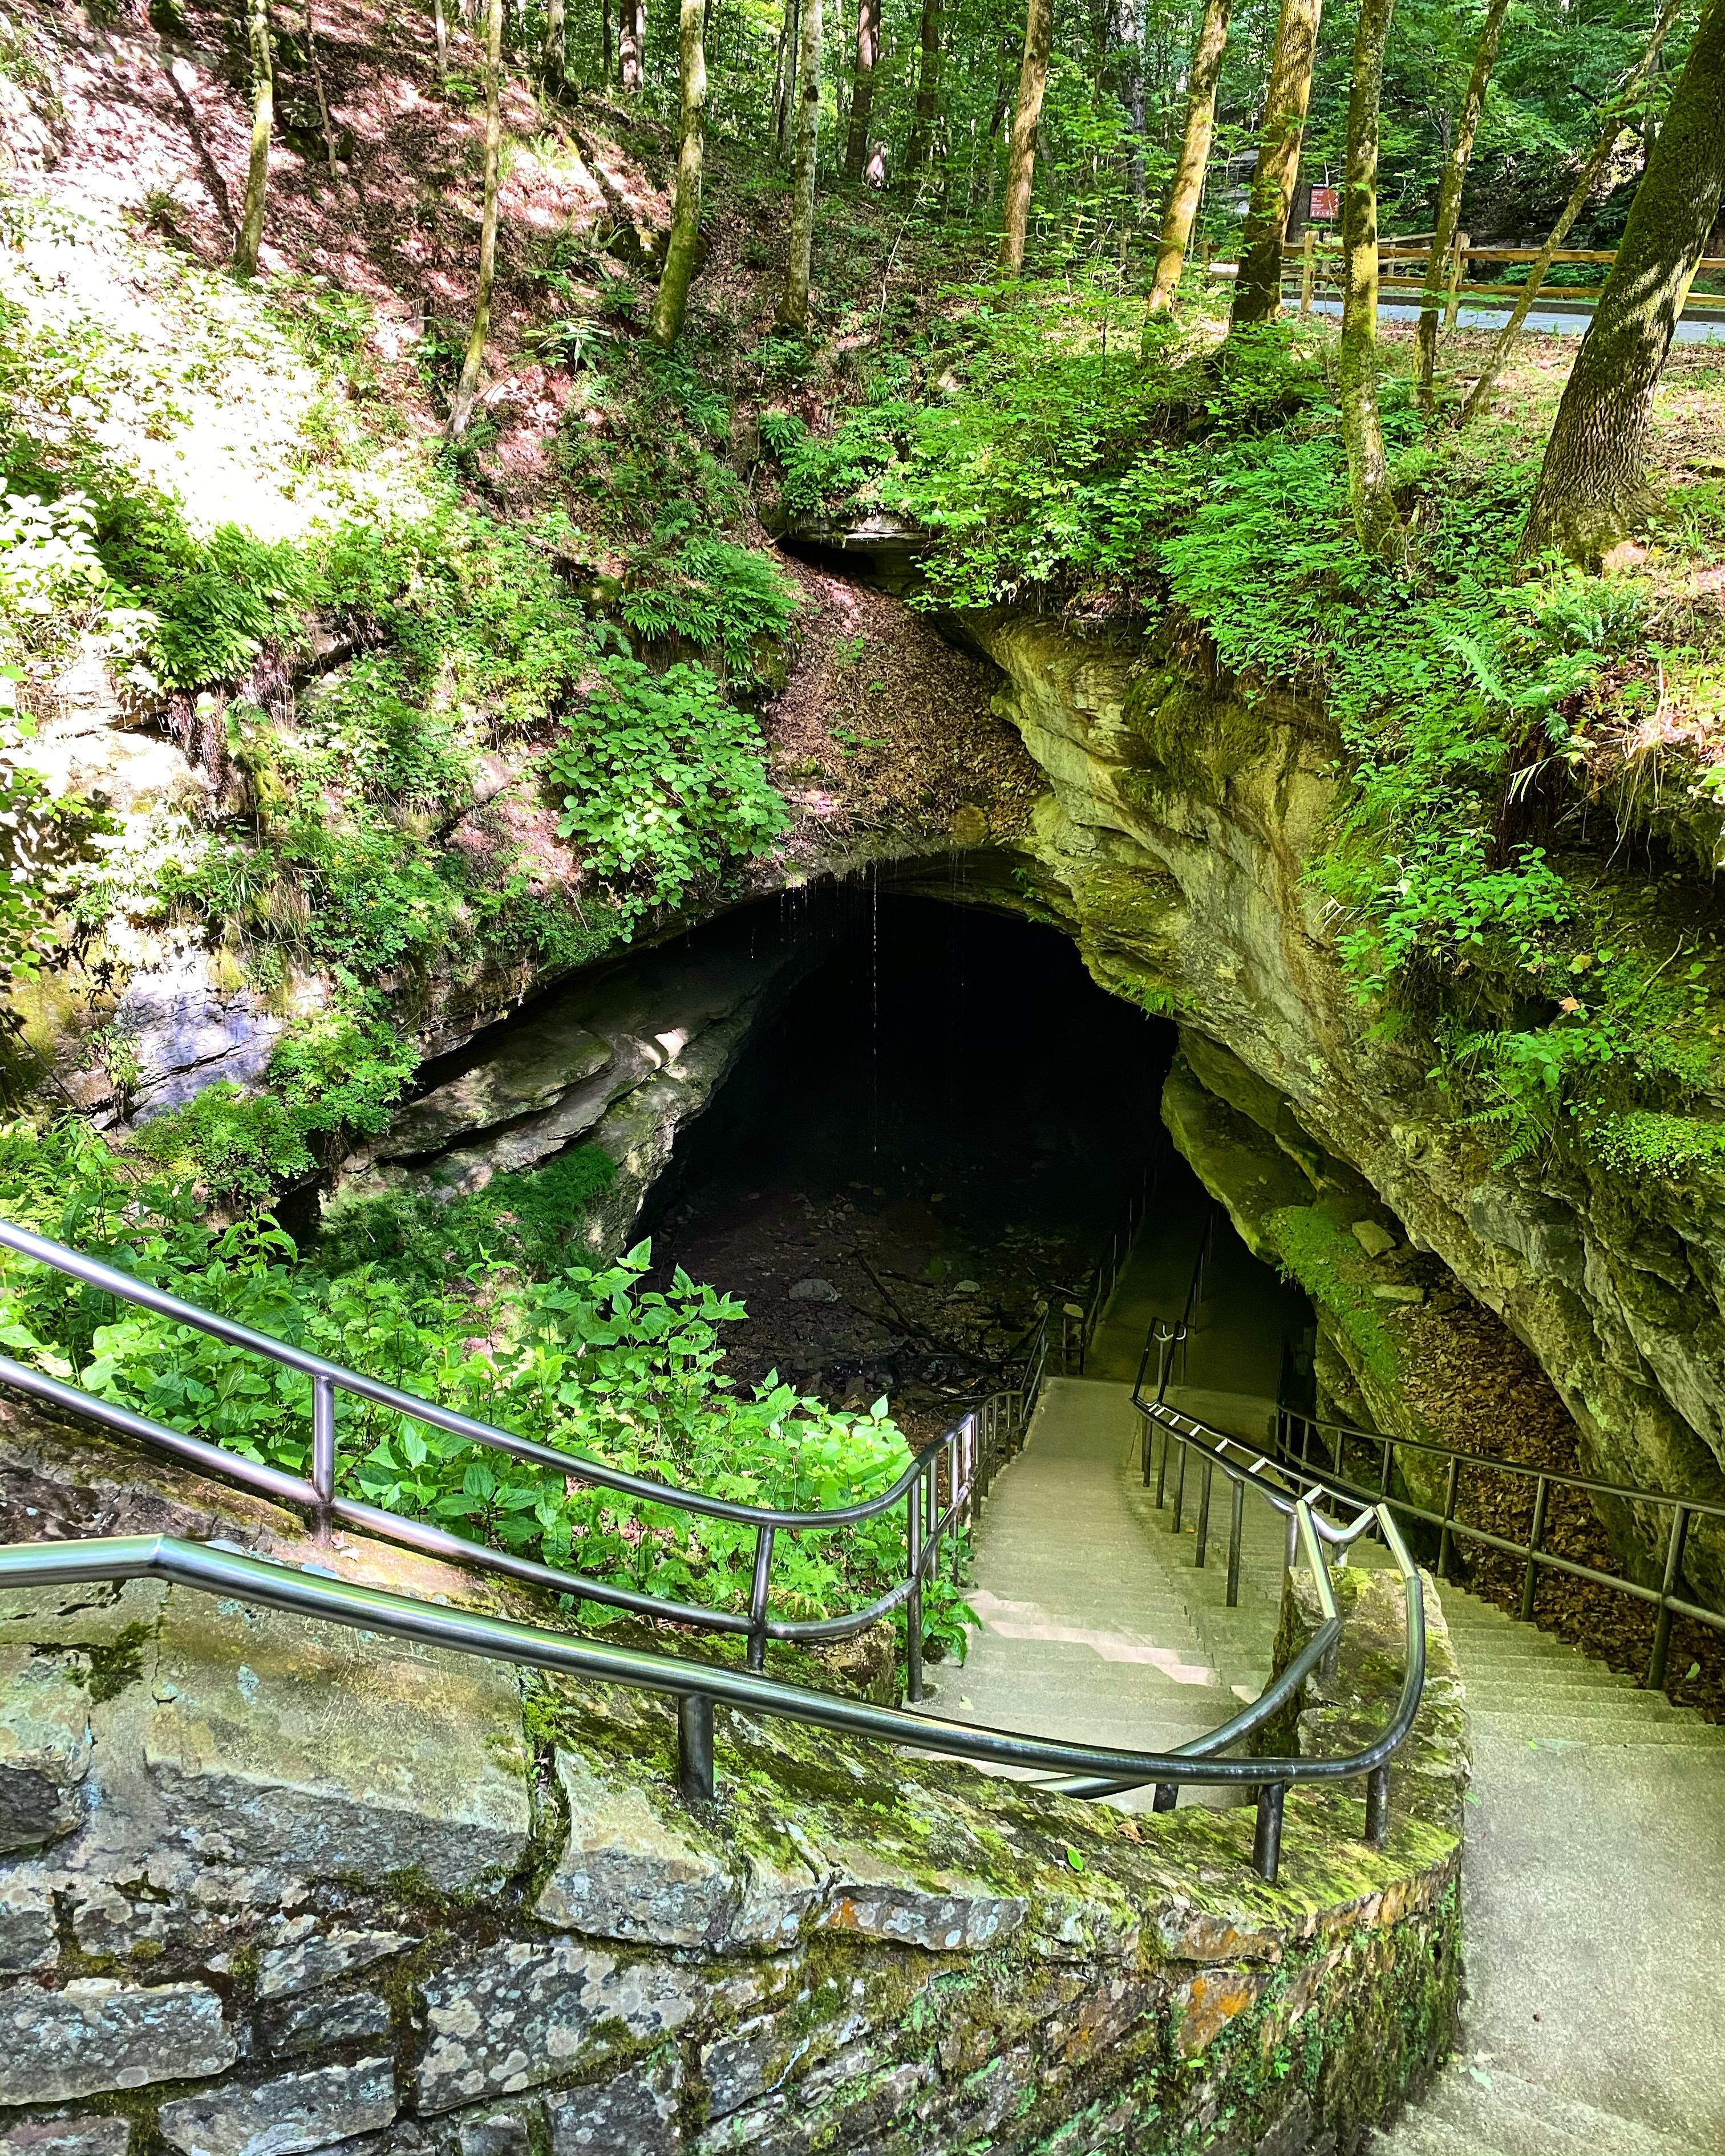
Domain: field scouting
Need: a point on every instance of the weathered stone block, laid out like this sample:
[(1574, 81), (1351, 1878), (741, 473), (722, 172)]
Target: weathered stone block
[(283, 1741), (91, 2135), (284, 2116), (495, 2133), (99, 2034), (322, 1957), (946, 1914), (44, 1746), (633, 2115), (629, 1872), (27, 1931), (520, 2015), (343, 2017)]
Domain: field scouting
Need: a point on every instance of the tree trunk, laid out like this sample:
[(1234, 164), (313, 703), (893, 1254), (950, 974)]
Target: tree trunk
[(1593, 484), (467, 388), (928, 91), (1184, 192), (1131, 40), (684, 248), (1374, 513), (784, 80), (1257, 295), (1021, 159), (631, 42), (441, 22), (323, 103), (554, 52), (862, 102), (1598, 158), (257, 177), (794, 306), (1449, 206), (605, 42)]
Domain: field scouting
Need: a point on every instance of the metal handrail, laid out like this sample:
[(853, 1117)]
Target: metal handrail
[(1296, 1464), (964, 1458), (1091, 1770), (1452, 1527)]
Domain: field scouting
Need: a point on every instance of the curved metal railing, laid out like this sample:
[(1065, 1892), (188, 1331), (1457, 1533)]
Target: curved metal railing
[(939, 1490), (1088, 1770), (1298, 1434), (971, 1450)]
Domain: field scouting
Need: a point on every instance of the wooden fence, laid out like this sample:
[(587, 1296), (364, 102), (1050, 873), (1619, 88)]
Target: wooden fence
[(1404, 262)]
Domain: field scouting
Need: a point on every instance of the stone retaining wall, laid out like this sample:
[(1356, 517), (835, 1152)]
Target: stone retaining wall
[(274, 1886)]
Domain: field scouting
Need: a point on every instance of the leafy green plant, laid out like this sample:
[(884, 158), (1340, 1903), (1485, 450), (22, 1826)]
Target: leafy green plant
[(662, 782)]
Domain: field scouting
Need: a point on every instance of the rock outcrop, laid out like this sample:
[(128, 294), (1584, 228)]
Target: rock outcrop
[(1174, 845)]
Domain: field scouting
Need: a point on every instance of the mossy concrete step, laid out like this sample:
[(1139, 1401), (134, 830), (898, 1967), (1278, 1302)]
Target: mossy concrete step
[(1539, 1698)]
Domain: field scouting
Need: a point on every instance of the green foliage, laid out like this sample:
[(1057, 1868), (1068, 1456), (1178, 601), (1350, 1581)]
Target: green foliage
[(337, 1077), (662, 782), (727, 599), (523, 1218), (584, 1359), (1317, 1249)]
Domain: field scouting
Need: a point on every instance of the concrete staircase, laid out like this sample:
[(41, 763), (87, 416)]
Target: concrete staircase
[(1594, 1872)]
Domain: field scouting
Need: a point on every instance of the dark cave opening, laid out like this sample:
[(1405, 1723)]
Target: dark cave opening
[(933, 1135)]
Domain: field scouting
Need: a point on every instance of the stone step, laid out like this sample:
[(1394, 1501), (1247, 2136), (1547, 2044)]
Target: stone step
[(1524, 2119), (1577, 1700), (1629, 1735)]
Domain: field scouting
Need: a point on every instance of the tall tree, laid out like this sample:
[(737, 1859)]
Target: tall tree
[(682, 253), (467, 388), (1374, 511), (554, 55), (441, 21), (1449, 204), (793, 303), (1026, 114), (1187, 187), (1592, 483), (324, 121), (928, 90), (257, 177), (1257, 294), (862, 98), (631, 43), (1618, 113)]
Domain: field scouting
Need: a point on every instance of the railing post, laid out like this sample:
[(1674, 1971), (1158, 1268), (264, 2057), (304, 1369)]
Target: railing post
[(1179, 1484), (757, 1598), (1167, 1795), (1236, 1523), (1384, 1465), (953, 1475), (1377, 1805), (1203, 1513), (323, 1449), (1266, 1835), (695, 1749), (913, 1601), (1452, 299), (1530, 1572), (1446, 1540), (1673, 1573), (1307, 264)]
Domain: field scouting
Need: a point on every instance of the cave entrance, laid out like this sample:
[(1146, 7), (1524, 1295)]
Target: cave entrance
[(933, 1134)]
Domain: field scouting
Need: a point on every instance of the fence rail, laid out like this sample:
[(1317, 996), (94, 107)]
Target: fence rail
[(1308, 267)]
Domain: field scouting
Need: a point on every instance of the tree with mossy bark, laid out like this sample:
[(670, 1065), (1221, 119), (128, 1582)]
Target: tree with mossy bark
[(467, 388), (1593, 484), (1618, 116), (928, 90), (862, 95), (1187, 187), (1257, 291), (257, 177), (1375, 518), (793, 301), (683, 252), (1026, 114), (1449, 204)]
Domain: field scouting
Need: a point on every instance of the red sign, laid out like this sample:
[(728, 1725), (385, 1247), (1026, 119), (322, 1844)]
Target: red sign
[(1326, 205)]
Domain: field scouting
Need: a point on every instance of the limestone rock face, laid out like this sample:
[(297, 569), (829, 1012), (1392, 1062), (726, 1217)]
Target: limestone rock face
[(1174, 843)]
